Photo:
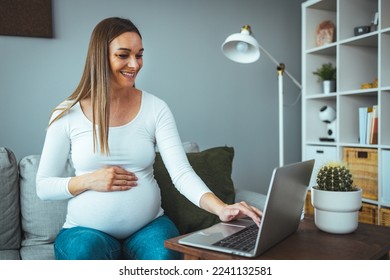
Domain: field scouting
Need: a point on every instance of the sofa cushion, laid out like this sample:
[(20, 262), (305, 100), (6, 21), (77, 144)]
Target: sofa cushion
[(214, 166), (10, 232), (41, 220), (9, 254)]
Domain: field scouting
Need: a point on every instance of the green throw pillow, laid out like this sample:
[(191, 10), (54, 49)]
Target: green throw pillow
[(214, 166)]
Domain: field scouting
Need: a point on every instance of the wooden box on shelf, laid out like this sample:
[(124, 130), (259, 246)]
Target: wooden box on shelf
[(308, 206), (368, 214), (363, 164), (385, 216)]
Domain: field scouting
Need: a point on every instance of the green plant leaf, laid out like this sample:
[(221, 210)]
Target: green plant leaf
[(326, 72)]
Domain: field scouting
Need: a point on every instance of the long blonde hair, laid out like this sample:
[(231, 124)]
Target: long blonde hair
[(94, 82)]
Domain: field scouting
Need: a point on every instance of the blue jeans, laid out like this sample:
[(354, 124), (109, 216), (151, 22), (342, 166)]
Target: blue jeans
[(81, 243)]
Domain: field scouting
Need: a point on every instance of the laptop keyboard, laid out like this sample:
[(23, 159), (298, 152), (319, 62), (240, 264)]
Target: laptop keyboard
[(244, 240)]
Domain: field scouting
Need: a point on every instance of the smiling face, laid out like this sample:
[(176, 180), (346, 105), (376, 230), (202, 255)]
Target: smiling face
[(125, 58)]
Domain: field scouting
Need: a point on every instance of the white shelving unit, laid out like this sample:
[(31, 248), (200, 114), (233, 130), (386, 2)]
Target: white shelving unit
[(359, 59)]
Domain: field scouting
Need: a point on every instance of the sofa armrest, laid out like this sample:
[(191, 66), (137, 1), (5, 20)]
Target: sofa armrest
[(254, 198)]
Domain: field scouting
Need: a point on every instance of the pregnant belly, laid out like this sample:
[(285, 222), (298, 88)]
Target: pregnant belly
[(119, 214)]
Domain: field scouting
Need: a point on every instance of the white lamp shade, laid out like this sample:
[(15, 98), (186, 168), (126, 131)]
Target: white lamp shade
[(241, 47)]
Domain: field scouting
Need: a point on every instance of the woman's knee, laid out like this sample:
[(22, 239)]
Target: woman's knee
[(86, 244), (148, 242)]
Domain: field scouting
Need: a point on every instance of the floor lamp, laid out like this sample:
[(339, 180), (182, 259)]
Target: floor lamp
[(243, 48)]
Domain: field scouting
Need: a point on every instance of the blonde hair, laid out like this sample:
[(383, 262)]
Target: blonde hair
[(95, 81)]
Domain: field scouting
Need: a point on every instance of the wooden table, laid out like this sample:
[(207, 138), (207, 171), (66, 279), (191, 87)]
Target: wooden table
[(309, 243)]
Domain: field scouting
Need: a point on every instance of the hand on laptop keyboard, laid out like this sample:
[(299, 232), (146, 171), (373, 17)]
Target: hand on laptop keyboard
[(227, 213), (240, 210)]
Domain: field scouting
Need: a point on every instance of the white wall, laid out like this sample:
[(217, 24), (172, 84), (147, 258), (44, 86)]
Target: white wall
[(216, 102)]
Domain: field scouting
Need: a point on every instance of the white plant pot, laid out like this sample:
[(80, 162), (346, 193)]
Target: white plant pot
[(329, 86), (336, 212)]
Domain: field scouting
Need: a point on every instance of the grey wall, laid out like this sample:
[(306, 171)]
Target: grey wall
[(215, 101)]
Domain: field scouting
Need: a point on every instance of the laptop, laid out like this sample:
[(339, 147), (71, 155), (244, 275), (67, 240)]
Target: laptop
[(281, 216)]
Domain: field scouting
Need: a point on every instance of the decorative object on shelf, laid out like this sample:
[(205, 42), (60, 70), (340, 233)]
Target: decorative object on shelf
[(325, 33), (374, 84), (327, 75), (336, 200), (360, 30), (374, 22), (364, 29), (327, 114), (244, 48)]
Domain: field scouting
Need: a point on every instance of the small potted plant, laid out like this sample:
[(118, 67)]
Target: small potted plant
[(327, 75), (336, 200)]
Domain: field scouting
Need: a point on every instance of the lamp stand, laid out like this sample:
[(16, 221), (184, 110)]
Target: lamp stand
[(280, 70)]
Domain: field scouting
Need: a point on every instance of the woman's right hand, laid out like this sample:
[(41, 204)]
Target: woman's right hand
[(109, 179)]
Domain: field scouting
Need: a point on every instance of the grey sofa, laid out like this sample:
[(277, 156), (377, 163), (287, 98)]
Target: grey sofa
[(28, 225)]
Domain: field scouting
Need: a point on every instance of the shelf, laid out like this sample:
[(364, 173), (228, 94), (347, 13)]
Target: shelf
[(385, 15), (356, 145), (366, 40), (314, 61), (323, 5), (360, 60), (385, 118), (355, 13), (319, 11), (360, 92), (321, 143), (385, 60), (358, 64), (329, 49), (322, 96), (315, 127), (366, 200), (385, 30)]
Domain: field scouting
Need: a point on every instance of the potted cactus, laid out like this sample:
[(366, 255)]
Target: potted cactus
[(336, 200)]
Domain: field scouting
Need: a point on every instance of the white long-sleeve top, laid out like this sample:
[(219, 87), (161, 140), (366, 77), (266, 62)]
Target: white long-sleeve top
[(132, 146)]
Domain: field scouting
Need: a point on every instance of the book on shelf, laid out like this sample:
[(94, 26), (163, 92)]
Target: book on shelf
[(374, 126), (363, 111), (368, 125)]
